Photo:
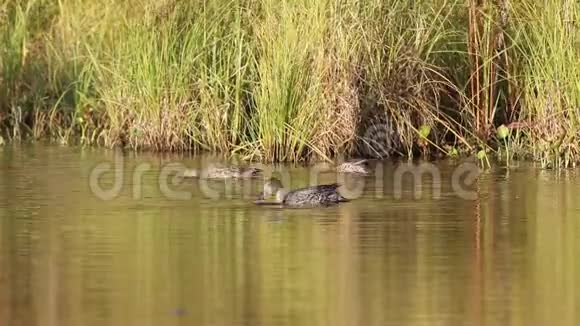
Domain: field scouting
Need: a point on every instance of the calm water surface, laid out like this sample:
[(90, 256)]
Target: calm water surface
[(68, 258)]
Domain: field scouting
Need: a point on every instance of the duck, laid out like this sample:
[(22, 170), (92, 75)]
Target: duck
[(223, 173), (356, 167), (320, 195)]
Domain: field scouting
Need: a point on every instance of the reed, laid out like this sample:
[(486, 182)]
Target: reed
[(548, 68)]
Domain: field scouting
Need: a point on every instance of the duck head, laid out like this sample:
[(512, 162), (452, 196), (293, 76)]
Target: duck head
[(190, 173), (273, 187)]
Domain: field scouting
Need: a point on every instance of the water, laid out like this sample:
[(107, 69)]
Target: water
[(67, 257)]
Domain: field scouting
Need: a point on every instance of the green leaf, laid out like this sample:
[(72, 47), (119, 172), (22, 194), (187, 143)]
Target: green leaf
[(424, 131), (453, 152), (502, 132), (481, 154)]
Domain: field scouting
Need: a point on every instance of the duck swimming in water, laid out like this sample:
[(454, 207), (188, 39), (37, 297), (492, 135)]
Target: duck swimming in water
[(321, 195), (223, 173), (357, 167)]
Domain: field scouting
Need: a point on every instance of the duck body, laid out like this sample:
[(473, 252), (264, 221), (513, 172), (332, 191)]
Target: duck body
[(321, 195), (223, 173), (356, 167)]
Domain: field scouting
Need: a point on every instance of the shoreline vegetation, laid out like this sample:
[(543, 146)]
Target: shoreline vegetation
[(293, 80)]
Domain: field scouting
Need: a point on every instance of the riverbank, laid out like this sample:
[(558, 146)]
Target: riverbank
[(293, 80)]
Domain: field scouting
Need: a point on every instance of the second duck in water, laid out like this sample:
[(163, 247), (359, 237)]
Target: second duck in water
[(321, 195), (355, 167), (223, 173)]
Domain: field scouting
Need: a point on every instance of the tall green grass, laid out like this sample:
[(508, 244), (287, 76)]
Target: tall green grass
[(548, 70), (288, 92), (292, 80)]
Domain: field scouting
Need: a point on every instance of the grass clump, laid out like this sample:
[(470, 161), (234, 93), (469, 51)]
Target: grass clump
[(548, 67), (288, 93)]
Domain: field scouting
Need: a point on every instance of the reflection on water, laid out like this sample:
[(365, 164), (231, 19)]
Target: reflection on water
[(69, 258)]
